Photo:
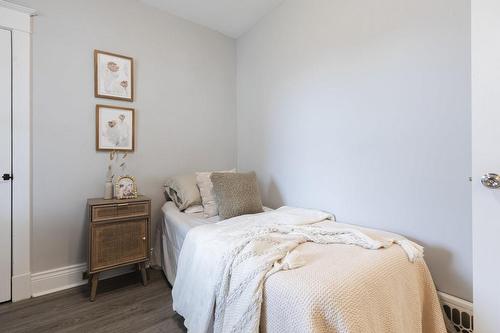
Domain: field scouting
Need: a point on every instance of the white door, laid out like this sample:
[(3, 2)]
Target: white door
[(5, 164), (486, 159)]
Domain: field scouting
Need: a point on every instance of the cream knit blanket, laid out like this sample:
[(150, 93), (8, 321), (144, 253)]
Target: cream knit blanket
[(248, 250)]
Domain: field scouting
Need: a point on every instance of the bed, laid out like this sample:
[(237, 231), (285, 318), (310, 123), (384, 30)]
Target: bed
[(348, 288)]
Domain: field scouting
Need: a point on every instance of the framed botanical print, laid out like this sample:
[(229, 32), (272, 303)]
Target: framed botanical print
[(126, 188), (113, 76), (115, 128)]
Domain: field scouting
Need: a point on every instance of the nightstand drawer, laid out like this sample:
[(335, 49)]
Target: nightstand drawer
[(121, 211), (118, 243)]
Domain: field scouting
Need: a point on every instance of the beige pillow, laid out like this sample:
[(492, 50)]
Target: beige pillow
[(183, 191), (207, 193), (236, 193)]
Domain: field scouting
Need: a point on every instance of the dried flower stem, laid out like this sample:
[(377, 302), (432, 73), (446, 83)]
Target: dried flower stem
[(114, 156)]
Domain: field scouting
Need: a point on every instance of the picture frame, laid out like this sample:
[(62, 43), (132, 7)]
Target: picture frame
[(115, 128), (113, 76), (126, 188)]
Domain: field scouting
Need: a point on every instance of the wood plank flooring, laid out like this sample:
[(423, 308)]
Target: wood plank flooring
[(122, 305)]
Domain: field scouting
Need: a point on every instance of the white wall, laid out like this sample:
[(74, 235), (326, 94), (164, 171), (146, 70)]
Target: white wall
[(362, 108), (185, 110)]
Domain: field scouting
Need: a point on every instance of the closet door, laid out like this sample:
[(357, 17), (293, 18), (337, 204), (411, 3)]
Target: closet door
[(5, 164)]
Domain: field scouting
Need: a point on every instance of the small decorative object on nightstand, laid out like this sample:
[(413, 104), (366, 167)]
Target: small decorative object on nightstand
[(126, 188), (108, 190), (119, 235)]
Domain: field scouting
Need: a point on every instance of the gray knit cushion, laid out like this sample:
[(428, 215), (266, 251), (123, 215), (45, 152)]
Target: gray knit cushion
[(236, 194)]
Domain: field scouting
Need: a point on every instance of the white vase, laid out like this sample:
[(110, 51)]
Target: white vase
[(108, 190)]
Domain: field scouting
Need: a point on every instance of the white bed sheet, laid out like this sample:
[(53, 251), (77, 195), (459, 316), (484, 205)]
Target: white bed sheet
[(174, 228)]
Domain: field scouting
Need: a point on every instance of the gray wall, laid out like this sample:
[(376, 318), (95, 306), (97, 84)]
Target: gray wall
[(362, 108), (185, 108)]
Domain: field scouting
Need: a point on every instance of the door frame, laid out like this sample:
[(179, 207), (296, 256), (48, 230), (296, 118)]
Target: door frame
[(17, 19)]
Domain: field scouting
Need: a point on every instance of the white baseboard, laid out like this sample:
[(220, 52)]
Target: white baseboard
[(21, 287), (445, 298), (62, 278)]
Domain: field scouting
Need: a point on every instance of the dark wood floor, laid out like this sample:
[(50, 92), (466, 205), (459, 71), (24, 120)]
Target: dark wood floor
[(122, 305)]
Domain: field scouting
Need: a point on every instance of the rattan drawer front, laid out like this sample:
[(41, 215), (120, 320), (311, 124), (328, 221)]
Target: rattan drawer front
[(122, 211), (117, 243)]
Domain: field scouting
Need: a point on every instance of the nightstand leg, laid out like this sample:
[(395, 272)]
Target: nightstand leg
[(93, 286), (142, 267)]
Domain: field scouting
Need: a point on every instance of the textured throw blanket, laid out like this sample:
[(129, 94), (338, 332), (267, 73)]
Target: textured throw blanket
[(223, 267)]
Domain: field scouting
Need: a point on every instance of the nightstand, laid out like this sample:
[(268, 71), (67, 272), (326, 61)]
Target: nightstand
[(119, 235)]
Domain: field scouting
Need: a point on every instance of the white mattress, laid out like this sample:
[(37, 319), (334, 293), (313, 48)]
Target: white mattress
[(174, 228)]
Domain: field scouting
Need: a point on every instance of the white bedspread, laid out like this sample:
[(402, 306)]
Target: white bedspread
[(227, 264)]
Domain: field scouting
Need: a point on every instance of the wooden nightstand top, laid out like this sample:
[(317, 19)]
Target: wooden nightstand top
[(101, 201)]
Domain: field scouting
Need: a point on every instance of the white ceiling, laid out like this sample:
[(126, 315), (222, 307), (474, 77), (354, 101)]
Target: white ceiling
[(230, 17)]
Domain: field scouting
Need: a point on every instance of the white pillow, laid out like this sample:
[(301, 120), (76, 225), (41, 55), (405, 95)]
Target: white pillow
[(194, 209), (206, 187), (183, 191)]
